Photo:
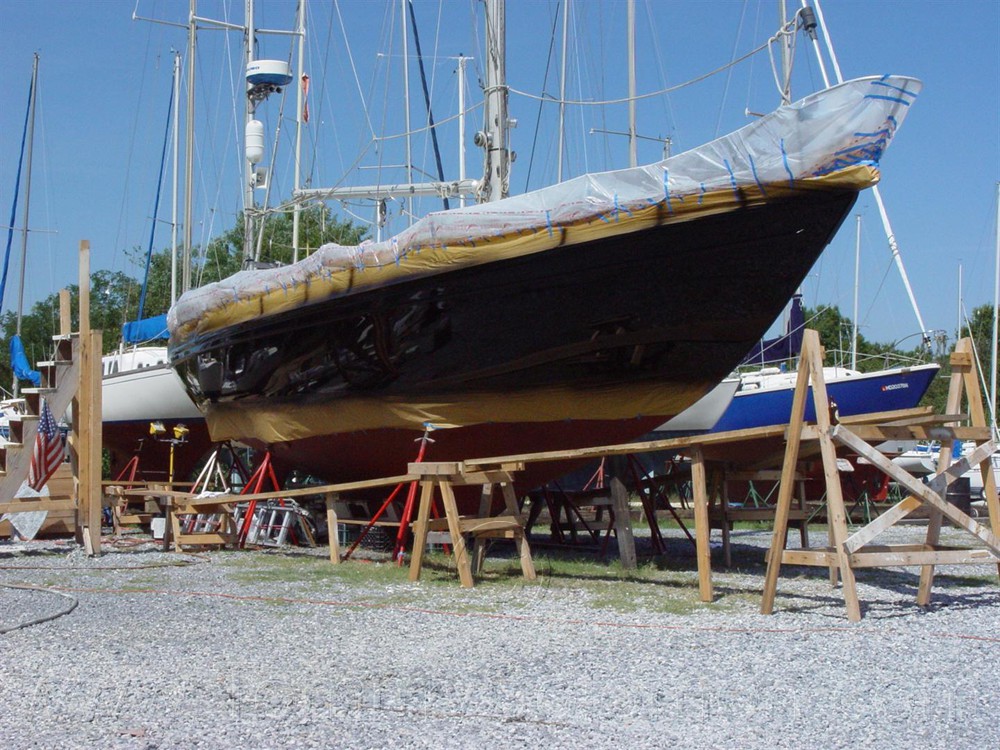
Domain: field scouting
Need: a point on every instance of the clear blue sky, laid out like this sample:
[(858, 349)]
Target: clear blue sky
[(105, 79)]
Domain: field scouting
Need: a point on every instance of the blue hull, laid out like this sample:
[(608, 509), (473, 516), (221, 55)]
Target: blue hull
[(858, 394)]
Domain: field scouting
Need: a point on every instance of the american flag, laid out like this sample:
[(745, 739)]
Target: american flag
[(48, 452)]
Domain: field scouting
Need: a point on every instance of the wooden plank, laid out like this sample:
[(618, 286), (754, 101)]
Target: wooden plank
[(703, 550), (978, 415), (793, 441), (520, 539), (475, 524), (341, 488), (331, 525), (65, 313), (92, 537), (420, 528), (458, 550), (620, 449), (279, 494), (949, 473), (888, 518), (203, 508), (864, 559), (881, 417), (836, 513), (479, 546), (435, 469), (50, 504), (817, 556), (755, 514), (623, 525), (881, 433), (200, 539)]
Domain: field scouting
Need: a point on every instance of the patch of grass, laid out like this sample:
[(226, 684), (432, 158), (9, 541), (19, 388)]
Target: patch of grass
[(972, 581), (663, 585)]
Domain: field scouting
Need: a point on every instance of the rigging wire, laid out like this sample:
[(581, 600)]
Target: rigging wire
[(541, 102), (660, 92), (124, 209), (427, 96), (729, 73), (354, 69), (667, 101)]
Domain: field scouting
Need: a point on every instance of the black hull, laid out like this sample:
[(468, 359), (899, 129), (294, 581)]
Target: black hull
[(575, 346), (678, 303)]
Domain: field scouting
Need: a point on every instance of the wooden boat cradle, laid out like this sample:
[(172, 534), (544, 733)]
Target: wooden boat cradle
[(765, 453)]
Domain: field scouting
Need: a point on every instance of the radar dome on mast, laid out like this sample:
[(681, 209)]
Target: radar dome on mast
[(266, 77)]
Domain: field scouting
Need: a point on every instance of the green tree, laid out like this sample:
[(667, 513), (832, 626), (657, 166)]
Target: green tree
[(835, 331), (109, 294), (317, 226), (114, 296)]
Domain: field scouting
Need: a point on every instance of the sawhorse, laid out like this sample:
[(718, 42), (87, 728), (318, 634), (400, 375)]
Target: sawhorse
[(442, 478)]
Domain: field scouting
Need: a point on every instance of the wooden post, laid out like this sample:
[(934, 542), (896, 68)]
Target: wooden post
[(727, 550), (793, 442), (331, 525), (95, 443), (420, 528), (835, 511), (702, 530), (65, 313), (520, 539), (479, 546), (623, 524), (87, 418), (961, 362), (977, 414), (457, 542)]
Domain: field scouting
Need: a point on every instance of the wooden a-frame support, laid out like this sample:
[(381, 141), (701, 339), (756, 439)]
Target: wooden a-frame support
[(849, 551), (443, 477)]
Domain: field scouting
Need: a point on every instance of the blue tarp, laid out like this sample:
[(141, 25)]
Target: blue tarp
[(138, 331), (19, 361)]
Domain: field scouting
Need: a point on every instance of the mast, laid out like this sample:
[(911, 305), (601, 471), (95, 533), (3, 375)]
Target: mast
[(406, 108), (189, 156), (958, 329), (461, 122), (250, 42), (299, 103), (27, 202), (857, 284), (562, 92), (27, 195), (632, 150), (173, 210), (786, 56), (996, 324), (494, 136)]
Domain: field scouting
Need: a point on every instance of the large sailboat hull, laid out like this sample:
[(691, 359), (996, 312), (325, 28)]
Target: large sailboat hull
[(588, 344), (587, 312)]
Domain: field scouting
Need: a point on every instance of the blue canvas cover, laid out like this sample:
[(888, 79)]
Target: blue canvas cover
[(19, 361), (139, 331)]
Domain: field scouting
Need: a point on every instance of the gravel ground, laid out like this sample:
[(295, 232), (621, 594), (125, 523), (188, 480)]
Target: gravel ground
[(281, 649)]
